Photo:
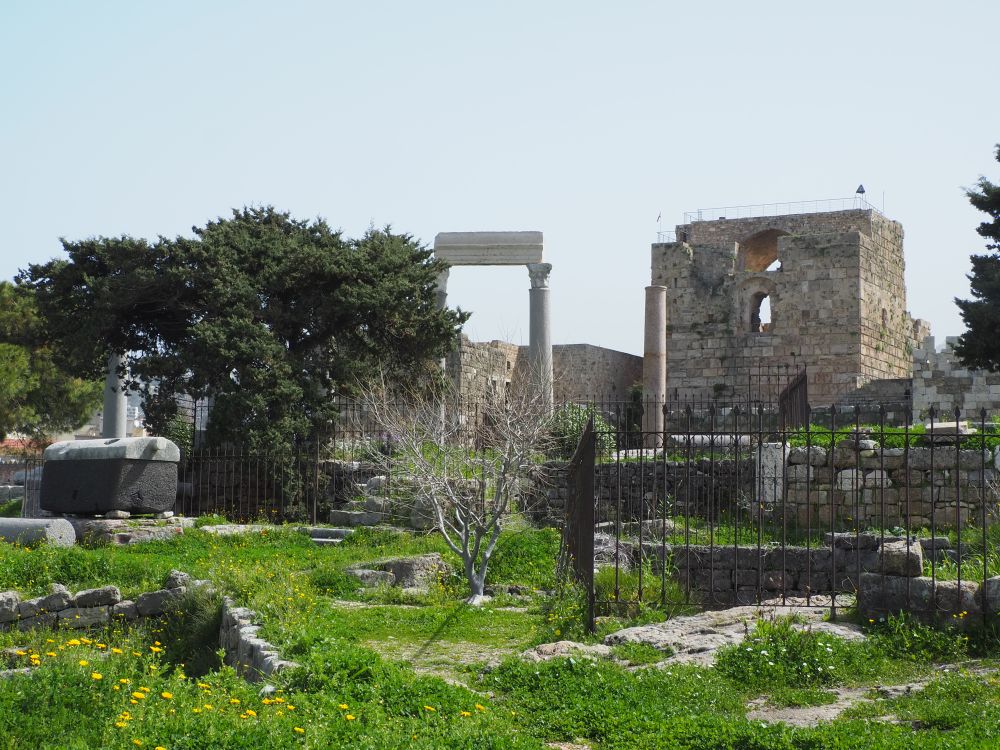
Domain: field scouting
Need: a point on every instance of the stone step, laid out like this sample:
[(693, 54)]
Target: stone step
[(324, 542), (324, 532), (354, 518)]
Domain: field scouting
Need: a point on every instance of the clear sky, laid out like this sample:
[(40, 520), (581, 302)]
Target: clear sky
[(581, 119)]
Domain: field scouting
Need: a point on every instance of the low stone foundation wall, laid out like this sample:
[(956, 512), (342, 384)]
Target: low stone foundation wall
[(860, 483), (731, 575), (91, 607), (960, 603), (252, 657)]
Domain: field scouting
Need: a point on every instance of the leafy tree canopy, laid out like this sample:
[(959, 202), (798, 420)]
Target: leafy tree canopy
[(265, 314), (37, 397), (979, 346)]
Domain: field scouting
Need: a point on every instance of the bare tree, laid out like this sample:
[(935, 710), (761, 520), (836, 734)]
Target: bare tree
[(468, 462)]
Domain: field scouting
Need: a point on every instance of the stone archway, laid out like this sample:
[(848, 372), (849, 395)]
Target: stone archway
[(508, 249), (757, 302), (759, 251)]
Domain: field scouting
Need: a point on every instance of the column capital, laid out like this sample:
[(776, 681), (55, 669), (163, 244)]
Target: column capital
[(539, 275)]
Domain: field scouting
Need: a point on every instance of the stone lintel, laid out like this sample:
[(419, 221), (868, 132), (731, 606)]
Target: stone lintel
[(488, 248)]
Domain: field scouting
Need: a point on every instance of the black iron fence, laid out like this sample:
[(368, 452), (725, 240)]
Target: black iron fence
[(732, 504)]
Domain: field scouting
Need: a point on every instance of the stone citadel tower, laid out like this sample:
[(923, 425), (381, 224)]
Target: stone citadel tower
[(833, 281)]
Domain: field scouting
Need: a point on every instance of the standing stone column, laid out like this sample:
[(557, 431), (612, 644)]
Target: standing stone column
[(115, 401), (540, 332), (442, 289), (654, 365)]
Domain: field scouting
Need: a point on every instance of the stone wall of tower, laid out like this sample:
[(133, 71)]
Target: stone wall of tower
[(886, 327), (838, 272)]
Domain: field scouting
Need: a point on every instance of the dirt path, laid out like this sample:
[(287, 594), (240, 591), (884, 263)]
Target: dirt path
[(808, 716)]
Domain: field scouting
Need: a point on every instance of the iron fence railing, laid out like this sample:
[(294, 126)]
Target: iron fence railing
[(737, 506), (856, 202)]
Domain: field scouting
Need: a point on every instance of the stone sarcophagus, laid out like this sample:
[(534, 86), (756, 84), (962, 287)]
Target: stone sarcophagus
[(93, 477)]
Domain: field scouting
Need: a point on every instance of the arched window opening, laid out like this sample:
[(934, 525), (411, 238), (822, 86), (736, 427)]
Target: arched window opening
[(759, 252), (760, 313)]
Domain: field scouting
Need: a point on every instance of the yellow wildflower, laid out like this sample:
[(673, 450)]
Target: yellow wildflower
[(342, 706), (139, 695), (298, 730), (429, 708), (116, 650), (251, 712), (480, 707), (166, 696), (84, 662), (465, 713), (349, 717), (96, 676)]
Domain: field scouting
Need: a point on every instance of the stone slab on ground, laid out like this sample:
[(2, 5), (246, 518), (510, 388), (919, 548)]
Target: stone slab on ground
[(695, 639), (324, 532), (560, 649), (419, 571), (233, 529), (100, 531), (354, 518)]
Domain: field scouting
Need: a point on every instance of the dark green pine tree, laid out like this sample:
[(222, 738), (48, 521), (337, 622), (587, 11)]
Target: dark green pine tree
[(265, 314), (979, 346)]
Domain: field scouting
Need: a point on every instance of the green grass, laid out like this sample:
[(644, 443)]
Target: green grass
[(893, 437), (639, 653), (391, 664), (10, 509)]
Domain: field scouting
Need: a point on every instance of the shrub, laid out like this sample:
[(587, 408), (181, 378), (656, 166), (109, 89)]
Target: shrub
[(568, 425)]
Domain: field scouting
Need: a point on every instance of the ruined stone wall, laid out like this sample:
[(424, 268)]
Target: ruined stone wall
[(582, 371), (475, 367), (886, 327), (941, 381), (838, 272)]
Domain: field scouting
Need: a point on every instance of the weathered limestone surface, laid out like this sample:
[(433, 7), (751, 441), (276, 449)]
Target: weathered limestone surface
[(30, 531), (580, 371), (489, 248), (252, 657), (942, 382), (838, 301), (416, 572)]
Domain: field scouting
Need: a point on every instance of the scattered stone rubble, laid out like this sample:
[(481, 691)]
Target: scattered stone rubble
[(417, 573)]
